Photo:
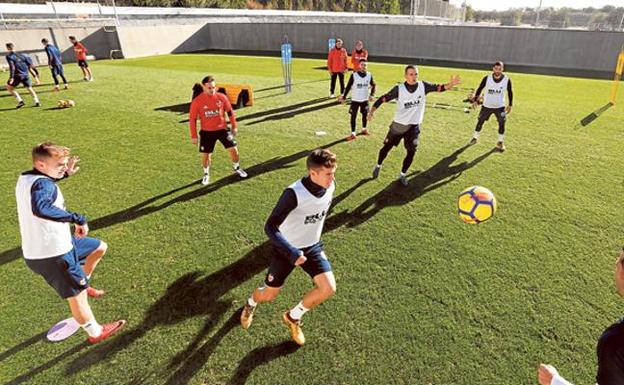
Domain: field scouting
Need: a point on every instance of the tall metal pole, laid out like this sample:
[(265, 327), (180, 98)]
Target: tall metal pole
[(116, 17), (2, 17), (621, 22), (537, 13)]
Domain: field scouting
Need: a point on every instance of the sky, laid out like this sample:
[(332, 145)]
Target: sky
[(499, 5)]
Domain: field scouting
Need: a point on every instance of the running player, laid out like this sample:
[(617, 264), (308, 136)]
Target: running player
[(494, 85), (210, 107), (358, 54), (81, 56), (361, 81), (66, 262), (18, 73), (55, 63), (337, 66), (409, 115), (295, 228)]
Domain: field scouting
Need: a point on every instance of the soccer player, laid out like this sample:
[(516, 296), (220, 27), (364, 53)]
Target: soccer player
[(358, 54), (610, 349), (66, 262), (81, 56), (337, 66), (494, 85), (408, 117), (210, 107), (55, 63), (295, 227), (18, 73), (361, 81)]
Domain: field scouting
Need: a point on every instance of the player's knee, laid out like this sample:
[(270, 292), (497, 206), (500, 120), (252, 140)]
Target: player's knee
[(329, 290), (103, 248), (268, 294)]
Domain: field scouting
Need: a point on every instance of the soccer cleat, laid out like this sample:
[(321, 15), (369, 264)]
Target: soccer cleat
[(86, 79), (66, 87), (295, 329), (331, 95), (403, 180), (94, 293), (351, 137), (473, 141), (206, 179), (20, 104), (500, 146), (55, 89), (365, 131), (107, 331), (247, 316), (240, 172), (376, 172), (90, 79), (37, 104)]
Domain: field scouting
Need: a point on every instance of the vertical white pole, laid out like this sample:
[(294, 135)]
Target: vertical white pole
[(537, 13), (115, 11), (621, 22), (2, 17)]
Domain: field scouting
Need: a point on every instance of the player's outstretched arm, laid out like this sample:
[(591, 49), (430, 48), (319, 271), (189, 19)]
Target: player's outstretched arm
[(455, 80), (548, 375)]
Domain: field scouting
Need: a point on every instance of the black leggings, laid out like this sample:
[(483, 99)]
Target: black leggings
[(340, 76), (356, 107), (485, 114)]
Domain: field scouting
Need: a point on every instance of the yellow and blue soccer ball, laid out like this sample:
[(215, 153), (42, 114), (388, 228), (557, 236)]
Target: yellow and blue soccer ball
[(476, 204)]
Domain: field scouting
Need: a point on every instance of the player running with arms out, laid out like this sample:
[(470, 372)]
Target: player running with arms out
[(19, 66), (361, 81), (210, 107), (408, 117), (295, 228), (494, 86), (55, 63), (81, 57), (66, 262)]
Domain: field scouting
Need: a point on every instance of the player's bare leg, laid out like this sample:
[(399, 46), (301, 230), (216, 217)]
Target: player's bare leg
[(91, 262), (206, 161), (34, 96), (234, 155), (81, 311), (260, 295)]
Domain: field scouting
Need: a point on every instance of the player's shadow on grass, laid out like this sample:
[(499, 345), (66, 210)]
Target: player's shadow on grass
[(295, 112), (261, 356), (22, 345), (150, 206), (420, 183), (293, 84)]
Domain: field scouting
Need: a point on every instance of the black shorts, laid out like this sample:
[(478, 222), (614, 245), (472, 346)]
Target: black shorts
[(487, 112), (17, 80), (207, 140), (410, 137), (281, 267), (358, 106), (83, 64)]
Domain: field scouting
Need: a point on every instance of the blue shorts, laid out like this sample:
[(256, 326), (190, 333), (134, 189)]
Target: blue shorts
[(280, 266), (23, 80), (57, 69), (64, 272)]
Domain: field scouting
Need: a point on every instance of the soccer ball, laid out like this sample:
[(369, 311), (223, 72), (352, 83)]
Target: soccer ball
[(61, 103), (70, 103), (476, 204)]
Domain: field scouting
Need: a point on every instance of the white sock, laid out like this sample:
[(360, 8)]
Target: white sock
[(476, 134), (298, 311), (92, 328), (402, 173), (36, 99), (18, 97), (251, 302), (236, 165), (378, 166), (501, 137), (207, 170)]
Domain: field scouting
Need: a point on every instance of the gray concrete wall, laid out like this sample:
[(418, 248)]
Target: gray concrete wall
[(98, 41)]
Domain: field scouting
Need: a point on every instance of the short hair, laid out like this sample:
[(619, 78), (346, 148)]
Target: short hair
[(72, 38), (321, 157), (363, 61), (49, 150), (44, 40), (339, 40), (411, 66), (208, 79), (499, 63), (10, 45)]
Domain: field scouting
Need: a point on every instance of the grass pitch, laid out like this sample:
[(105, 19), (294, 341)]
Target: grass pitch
[(422, 297)]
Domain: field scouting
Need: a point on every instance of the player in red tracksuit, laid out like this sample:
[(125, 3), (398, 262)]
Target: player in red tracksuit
[(81, 56), (337, 66), (358, 54), (210, 107)]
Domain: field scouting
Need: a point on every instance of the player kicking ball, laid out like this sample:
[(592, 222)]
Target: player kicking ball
[(210, 107), (295, 228), (495, 86), (66, 262), (361, 81), (408, 117)]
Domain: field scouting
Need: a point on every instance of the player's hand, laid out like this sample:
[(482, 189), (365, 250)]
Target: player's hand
[(507, 109), (81, 231), (341, 99), (10, 81), (371, 98), (545, 374), (194, 141), (371, 114), (301, 260), (234, 131), (455, 80), (72, 165)]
